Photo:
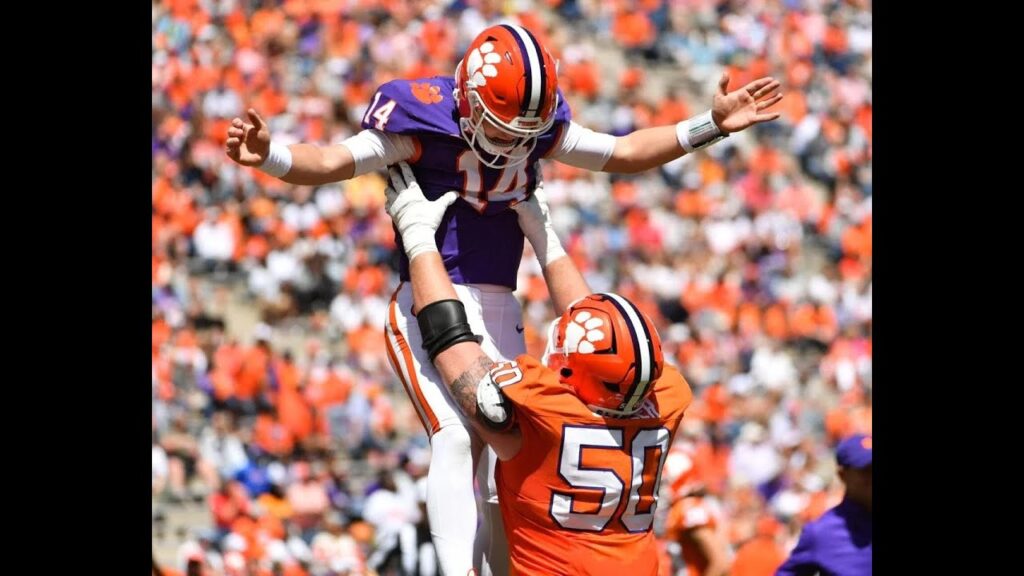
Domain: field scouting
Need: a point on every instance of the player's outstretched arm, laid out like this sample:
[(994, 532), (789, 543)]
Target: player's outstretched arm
[(447, 337), (651, 147), (565, 283), (249, 144), (730, 112)]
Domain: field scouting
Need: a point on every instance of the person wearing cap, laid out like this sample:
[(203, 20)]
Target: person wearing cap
[(839, 542)]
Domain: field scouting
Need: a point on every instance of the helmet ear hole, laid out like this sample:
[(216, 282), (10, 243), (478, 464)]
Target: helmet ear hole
[(566, 372), (611, 386)]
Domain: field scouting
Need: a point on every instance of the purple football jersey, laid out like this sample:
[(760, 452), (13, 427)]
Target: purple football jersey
[(479, 238)]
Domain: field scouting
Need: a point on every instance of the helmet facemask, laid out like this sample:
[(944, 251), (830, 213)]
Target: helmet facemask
[(474, 115)]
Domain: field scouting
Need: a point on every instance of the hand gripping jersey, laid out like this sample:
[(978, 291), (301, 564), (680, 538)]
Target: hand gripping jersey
[(580, 496), (479, 239)]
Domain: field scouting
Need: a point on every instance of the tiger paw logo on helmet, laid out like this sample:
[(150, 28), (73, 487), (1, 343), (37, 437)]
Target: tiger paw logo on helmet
[(508, 81), (480, 63), (582, 332), (610, 354)]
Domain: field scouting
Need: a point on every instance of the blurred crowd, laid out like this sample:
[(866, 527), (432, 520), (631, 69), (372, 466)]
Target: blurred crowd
[(753, 258)]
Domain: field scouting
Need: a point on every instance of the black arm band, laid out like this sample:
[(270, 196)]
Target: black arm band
[(443, 324)]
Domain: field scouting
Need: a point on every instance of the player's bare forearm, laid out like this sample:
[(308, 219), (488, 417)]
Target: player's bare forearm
[(462, 367), (565, 283), (317, 165), (430, 281), (644, 149)]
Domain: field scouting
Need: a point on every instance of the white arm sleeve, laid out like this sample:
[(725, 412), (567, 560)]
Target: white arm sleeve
[(374, 149), (584, 148)]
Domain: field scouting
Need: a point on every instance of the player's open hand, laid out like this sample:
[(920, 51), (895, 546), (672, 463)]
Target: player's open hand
[(740, 109), (248, 142)]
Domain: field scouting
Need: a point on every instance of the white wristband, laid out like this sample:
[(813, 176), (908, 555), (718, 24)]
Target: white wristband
[(698, 132), (278, 161)]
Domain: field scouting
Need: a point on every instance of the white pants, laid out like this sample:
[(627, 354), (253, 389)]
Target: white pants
[(456, 451)]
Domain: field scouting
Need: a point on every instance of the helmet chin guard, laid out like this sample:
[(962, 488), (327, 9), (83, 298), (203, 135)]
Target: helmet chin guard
[(490, 153)]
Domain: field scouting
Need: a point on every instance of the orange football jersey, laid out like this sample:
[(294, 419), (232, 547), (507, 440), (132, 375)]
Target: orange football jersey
[(579, 497)]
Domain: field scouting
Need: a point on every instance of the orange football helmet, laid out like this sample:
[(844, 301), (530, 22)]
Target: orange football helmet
[(507, 84), (608, 351)]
